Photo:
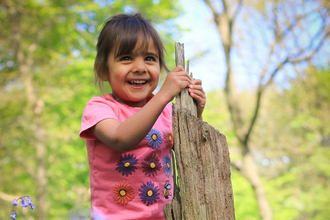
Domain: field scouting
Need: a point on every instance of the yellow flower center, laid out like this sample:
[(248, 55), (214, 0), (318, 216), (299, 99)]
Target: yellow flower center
[(154, 137), (152, 165), (150, 193), (170, 137), (168, 165), (122, 193), (127, 164)]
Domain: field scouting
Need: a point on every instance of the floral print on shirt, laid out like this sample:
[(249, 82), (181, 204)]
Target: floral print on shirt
[(167, 164), (149, 193), (154, 138), (168, 138), (123, 193), (125, 165), (151, 165)]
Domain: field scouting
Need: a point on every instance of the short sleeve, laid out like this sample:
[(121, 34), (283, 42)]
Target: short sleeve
[(96, 110)]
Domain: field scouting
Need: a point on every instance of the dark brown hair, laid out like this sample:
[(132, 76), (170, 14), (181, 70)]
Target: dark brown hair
[(121, 34)]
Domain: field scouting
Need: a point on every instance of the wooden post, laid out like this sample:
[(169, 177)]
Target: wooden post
[(203, 164)]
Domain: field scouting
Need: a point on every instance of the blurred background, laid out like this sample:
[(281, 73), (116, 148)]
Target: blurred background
[(264, 66)]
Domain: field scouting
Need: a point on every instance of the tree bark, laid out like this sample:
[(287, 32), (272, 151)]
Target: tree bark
[(203, 166)]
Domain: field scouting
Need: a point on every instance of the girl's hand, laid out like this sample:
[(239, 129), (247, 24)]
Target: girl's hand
[(196, 91), (175, 81)]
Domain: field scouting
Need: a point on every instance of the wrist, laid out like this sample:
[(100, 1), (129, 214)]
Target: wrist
[(163, 97)]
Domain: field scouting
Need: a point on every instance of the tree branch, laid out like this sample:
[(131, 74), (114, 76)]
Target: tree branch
[(7, 197), (317, 48), (238, 9), (214, 11), (236, 165)]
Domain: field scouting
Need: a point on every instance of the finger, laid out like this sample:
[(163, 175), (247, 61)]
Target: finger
[(184, 74), (196, 87), (184, 79), (177, 69), (198, 95), (197, 82)]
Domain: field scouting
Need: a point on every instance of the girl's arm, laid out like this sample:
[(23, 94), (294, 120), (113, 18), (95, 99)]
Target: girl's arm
[(126, 135)]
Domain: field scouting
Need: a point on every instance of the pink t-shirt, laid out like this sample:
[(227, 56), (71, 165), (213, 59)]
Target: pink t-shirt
[(128, 185)]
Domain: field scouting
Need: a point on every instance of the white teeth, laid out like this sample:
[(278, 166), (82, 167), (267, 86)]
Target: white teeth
[(138, 81)]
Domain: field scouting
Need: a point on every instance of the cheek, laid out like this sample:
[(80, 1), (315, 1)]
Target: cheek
[(156, 79)]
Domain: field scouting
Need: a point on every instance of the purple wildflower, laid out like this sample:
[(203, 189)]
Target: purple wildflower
[(13, 216), (97, 216), (24, 202), (30, 202), (15, 203)]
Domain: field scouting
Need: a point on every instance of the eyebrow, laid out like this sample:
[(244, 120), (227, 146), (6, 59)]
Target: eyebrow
[(152, 54), (145, 54)]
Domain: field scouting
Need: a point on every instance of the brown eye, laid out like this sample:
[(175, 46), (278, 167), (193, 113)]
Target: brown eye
[(125, 58), (150, 59)]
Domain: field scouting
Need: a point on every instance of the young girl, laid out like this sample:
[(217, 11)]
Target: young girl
[(129, 132)]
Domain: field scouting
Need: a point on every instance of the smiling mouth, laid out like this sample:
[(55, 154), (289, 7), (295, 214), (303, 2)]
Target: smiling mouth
[(137, 82)]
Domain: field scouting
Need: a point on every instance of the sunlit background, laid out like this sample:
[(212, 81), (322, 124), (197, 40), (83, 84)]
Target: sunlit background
[(264, 65)]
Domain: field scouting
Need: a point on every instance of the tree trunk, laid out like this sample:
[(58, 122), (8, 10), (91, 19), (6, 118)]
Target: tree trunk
[(250, 171), (35, 108), (203, 166), (34, 111)]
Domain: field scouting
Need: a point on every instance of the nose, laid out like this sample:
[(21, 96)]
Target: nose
[(139, 66)]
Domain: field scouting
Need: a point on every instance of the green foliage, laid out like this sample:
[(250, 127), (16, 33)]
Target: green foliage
[(245, 204), (295, 137)]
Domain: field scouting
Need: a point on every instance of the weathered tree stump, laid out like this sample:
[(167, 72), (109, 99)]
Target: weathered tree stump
[(203, 165)]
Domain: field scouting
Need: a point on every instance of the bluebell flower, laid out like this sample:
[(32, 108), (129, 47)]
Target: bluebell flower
[(24, 202), (13, 216), (32, 207), (30, 202), (15, 202), (97, 216)]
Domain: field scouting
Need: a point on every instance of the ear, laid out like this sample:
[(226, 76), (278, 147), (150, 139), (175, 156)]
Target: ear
[(105, 77)]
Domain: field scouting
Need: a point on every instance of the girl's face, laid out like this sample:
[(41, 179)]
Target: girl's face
[(133, 77)]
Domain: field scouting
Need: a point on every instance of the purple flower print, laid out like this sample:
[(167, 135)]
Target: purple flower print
[(167, 165), (155, 138), (149, 193), (125, 165)]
